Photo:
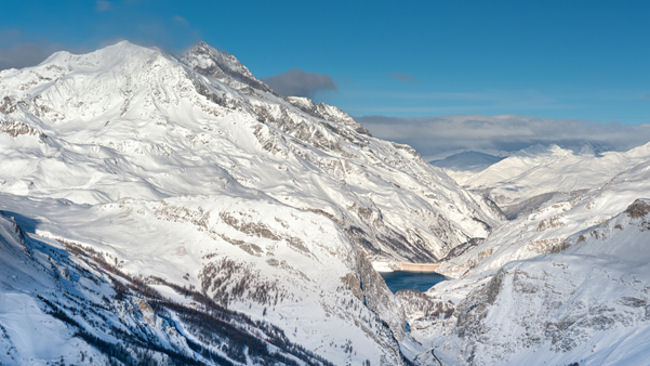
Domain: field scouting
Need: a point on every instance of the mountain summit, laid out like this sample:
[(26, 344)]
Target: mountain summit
[(222, 66)]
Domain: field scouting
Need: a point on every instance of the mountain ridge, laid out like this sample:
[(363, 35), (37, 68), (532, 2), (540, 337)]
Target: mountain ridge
[(270, 206), (525, 180)]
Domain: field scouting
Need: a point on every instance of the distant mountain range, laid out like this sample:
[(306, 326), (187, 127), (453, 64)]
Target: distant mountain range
[(523, 181), (467, 161)]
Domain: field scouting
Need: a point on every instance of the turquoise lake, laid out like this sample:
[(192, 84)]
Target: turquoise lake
[(402, 280)]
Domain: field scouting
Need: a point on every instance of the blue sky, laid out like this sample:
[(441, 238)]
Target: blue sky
[(586, 60)]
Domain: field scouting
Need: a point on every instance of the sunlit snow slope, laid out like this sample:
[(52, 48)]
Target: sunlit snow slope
[(195, 179)]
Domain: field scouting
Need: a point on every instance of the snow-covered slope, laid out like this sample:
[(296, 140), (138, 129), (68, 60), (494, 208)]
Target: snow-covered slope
[(545, 229), (191, 174), (64, 304), (524, 181), (127, 121), (567, 283)]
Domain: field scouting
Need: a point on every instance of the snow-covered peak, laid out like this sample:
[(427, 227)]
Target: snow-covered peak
[(121, 81), (107, 57), (204, 56), (541, 150), (220, 65)]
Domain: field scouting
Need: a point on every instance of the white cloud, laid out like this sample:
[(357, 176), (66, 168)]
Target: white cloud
[(435, 137)]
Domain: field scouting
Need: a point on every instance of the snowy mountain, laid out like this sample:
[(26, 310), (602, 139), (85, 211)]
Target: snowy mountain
[(164, 210), (524, 181), (472, 161), (147, 197), (567, 284)]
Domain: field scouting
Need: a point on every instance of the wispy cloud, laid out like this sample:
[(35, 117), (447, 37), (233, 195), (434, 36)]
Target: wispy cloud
[(403, 77), (300, 83), (488, 101), (440, 136), (103, 5), (180, 20)]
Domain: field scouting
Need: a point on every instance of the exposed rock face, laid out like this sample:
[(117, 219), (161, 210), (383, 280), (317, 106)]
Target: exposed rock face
[(639, 209)]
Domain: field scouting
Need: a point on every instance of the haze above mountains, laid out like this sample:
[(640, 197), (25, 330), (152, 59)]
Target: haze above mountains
[(161, 209), (437, 138)]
